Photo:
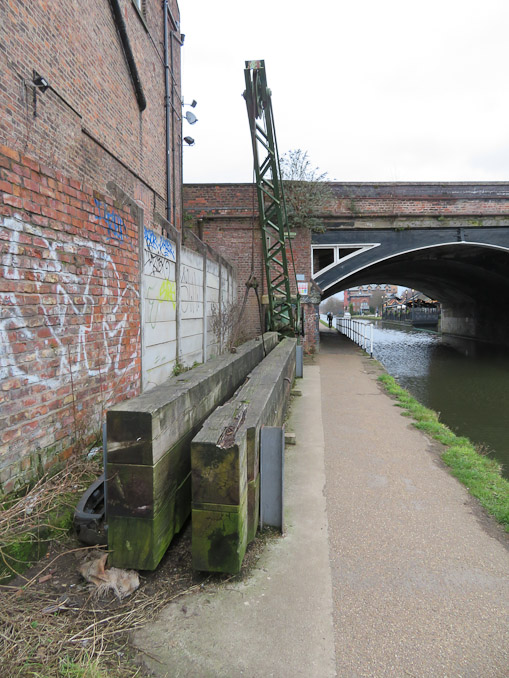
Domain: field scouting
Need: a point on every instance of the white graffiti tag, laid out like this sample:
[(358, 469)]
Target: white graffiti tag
[(67, 299)]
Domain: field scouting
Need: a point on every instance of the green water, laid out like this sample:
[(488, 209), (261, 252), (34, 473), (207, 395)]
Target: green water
[(471, 392)]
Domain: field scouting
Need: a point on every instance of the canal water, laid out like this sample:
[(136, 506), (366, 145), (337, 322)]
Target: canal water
[(471, 392)]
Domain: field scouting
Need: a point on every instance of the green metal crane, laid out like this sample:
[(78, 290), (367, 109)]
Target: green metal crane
[(283, 314)]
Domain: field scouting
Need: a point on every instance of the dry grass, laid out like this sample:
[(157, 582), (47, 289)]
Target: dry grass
[(30, 521), (51, 624), (44, 636)]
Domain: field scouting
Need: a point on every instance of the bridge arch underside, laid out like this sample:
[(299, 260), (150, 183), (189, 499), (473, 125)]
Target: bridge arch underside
[(467, 272)]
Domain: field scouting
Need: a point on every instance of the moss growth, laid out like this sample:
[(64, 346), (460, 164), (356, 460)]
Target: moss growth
[(481, 474), (43, 511)]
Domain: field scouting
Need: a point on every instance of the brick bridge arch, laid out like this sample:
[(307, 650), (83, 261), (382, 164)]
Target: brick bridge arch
[(449, 240)]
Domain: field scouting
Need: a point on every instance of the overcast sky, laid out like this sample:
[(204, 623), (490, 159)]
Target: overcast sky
[(373, 90)]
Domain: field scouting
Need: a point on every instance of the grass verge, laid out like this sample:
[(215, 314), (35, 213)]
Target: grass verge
[(479, 473)]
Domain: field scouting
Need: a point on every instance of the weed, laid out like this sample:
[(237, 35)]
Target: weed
[(480, 473)]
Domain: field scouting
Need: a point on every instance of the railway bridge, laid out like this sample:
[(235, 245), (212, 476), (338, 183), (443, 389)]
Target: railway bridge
[(448, 240)]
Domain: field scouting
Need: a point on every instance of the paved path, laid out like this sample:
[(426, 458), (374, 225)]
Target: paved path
[(420, 577), (388, 567)]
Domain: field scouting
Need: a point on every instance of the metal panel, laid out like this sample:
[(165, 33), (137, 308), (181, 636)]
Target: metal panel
[(272, 452)]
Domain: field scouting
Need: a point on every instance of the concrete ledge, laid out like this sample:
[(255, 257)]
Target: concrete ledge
[(225, 460), (148, 463)]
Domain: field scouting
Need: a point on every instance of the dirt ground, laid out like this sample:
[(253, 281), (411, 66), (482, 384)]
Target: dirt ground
[(52, 621)]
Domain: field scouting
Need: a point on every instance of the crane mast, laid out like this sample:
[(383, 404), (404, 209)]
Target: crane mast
[(283, 312)]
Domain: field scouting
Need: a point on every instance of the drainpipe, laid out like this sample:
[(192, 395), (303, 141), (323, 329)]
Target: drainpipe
[(173, 132), (167, 110)]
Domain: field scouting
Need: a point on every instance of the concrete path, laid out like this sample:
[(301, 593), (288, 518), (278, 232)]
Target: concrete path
[(388, 567), (420, 576)]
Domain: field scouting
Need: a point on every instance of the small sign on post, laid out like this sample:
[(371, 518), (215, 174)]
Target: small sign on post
[(272, 450)]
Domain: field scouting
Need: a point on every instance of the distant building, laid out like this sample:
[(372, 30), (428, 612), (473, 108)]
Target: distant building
[(360, 298)]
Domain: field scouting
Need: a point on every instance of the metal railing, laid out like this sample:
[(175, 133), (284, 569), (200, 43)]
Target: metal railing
[(359, 331)]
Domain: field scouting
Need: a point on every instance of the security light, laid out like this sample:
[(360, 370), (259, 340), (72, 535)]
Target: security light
[(191, 118), (40, 82)]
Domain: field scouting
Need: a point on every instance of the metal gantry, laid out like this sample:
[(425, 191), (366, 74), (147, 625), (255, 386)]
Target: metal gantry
[(283, 310)]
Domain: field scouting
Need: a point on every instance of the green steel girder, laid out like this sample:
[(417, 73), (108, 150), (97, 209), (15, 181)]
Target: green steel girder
[(283, 309)]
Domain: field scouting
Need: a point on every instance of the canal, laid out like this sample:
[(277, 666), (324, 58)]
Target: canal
[(471, 392)]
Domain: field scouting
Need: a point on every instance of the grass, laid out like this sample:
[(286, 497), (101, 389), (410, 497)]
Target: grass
[(480, 474), (30, 519)]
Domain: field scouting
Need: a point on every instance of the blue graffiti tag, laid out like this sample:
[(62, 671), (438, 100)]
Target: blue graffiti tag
[(158, 244), (113, 221)]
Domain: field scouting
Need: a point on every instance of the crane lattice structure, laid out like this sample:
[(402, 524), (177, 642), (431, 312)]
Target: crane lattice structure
[(283, 313)]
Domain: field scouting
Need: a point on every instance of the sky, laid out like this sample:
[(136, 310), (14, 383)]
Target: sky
[(378, 90)]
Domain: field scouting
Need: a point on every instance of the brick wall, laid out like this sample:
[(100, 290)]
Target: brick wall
[(226, 217), (70, 343), (88, 124), (69, 314), (418, 199)]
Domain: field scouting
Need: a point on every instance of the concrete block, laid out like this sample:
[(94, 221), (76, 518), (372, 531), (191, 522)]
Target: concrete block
[(253, 508), (219, 536), (140, 543), (225, 453), (149, 461)]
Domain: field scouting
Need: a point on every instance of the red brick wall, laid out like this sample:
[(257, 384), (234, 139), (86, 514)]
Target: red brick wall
[(418, 199), (226, 217), (69, 314), (92, 101), (69, 289)]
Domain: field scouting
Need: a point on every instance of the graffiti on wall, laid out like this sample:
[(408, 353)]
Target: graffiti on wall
[(70, 294), (159, 254), (158, 267), (113, 221), (190, 290), (166, 291)]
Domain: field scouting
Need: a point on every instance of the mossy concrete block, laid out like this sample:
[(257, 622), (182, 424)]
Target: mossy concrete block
[(253, 508), (219, 475), (148, 450), (141, 430), (267, 393), (140, 543), (219, 537), (140, 491), (218, 462), (225, 453)]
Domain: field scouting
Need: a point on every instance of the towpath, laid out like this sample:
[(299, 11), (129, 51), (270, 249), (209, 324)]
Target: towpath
[(388, 567)]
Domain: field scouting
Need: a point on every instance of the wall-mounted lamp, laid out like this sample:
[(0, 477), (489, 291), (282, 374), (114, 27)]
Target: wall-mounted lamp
[(189, 141), (193, 103), (191, 118), (40, 82)]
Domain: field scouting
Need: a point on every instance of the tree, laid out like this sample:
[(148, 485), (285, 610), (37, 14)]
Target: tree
[(307, 192), (376, 300), (332, 304)]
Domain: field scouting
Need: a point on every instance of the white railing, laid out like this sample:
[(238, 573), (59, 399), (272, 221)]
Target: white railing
[(359, 331)]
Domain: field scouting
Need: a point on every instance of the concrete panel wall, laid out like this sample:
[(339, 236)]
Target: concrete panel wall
[(159, 304), (180, 296)]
